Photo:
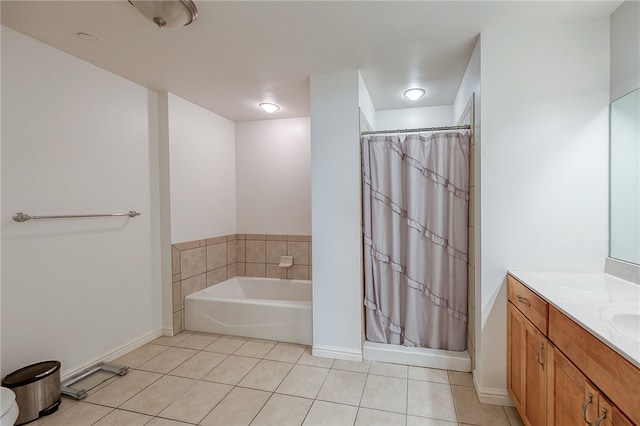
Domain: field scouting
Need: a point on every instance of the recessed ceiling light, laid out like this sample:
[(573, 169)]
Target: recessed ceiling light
[(414, 94), (267, 107), (88, 37)]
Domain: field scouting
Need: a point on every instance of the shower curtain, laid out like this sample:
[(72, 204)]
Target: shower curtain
[(415, 208)]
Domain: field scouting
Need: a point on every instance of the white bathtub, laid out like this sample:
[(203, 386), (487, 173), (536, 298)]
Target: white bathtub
[(264, 308)]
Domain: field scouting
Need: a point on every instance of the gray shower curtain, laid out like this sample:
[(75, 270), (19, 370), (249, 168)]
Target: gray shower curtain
[(415, 208)]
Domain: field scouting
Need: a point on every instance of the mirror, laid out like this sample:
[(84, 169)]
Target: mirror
[(624, 178)]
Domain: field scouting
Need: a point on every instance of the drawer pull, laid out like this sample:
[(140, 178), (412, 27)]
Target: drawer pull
[(584, 408), (538, 356), (602, 417), (523, 300)]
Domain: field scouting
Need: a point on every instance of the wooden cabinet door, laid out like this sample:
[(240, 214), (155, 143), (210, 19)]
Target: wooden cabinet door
[(528, 364), (575, 402)]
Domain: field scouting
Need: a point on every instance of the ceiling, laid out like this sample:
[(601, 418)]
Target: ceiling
[(240, 53)]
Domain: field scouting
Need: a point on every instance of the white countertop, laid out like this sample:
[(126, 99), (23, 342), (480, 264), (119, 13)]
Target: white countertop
[(604, 305)]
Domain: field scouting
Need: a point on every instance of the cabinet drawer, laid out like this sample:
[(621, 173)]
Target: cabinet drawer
[(616, 377), (530, 304)]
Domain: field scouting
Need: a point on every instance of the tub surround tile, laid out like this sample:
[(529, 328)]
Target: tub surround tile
[(193, 262), (255, 237), (299, 238), (217, 276), (187, 245), (232, 251), (238, 408), (275, 249), (299, 251), (298, 272), (175, 260), (255, 270), (176, 295), (193, 284), (232, 270), (177, 321), (241, 269), (256, 251), (324, 413), (216, 240), (216, 256), (195, 403), (370, 417), (231, 370), (241, 251), (274, 271), (283, 410)]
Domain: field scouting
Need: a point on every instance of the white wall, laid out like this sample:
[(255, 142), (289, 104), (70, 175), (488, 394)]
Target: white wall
[(545, 95), (202, 170), (75, 139), (625, 49), (411, 118), (273, 177), (335, 204)]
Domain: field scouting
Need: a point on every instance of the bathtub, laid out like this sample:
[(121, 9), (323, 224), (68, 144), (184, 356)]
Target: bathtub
[(264, 308)]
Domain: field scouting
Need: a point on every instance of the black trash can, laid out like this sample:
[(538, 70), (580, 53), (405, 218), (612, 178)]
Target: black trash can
[(37, 389)]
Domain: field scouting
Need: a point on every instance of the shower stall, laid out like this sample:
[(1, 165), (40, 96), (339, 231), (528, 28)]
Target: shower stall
[(415, 205)]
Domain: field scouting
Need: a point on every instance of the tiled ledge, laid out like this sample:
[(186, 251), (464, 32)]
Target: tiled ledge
[(203, 263)]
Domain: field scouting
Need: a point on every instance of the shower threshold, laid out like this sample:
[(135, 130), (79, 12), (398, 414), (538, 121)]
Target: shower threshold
[(417, 357)]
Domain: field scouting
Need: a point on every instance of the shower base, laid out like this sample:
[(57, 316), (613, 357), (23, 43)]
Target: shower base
[(418, 357)]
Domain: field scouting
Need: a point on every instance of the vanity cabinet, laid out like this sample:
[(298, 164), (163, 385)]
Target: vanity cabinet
[(560, 374)]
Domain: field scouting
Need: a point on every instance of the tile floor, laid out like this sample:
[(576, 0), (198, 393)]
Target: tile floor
[(206, 379)]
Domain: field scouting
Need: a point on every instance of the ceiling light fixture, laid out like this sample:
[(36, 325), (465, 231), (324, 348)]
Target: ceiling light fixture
[(167, 13), (414, 94), (270, 108)]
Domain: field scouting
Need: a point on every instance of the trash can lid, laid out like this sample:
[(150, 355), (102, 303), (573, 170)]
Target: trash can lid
[(31, 373)]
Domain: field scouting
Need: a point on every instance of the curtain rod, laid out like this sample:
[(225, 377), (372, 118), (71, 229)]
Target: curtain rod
[(419, 130)]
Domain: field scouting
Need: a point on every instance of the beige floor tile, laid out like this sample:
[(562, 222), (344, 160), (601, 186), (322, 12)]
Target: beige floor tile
[(369, 417), (315, 361), (433, 400), (168, 360), (81, 414), (238, 408), (470, 410), (286, 352), (255, 348), (428, 375), (385, 393), (283, 410), (266, 376), (121, 418), (158, 421), (226, 344), (391, 370), (141, 355), (194, 404), (199, 365), (65, 403), (231, 370), (159, 395), (171, 340), (459, 378), (330, 414), (304, 381), (118, 392), (344, 387), (513, 416), (356, 366), (198, 341), (424, 421)]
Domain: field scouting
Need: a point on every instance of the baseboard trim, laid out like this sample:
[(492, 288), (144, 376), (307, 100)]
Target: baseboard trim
[(168, 332), (492, 396), (336, 352), (110, 356)]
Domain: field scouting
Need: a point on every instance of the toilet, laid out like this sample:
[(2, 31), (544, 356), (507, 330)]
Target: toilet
[(9, 407)]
